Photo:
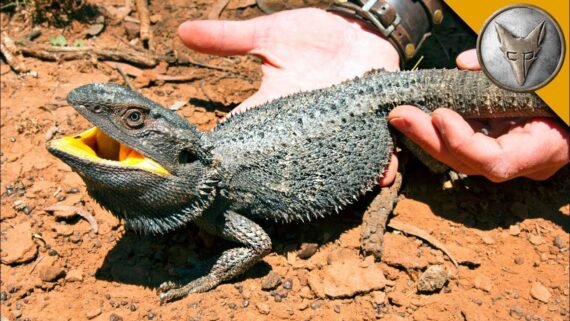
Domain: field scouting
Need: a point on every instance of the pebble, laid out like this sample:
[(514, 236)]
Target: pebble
[(114, 317), (133, 307), (19, 205), (50, 270), (559, 242), (288, 284), (540, 292), (346, 279), (514, 230), (74, 275), (19, 246), (535, 239), (271, 281), (433, 279), (93, 313), (516, 311), (337, 308), (315, 305), (306, 250), (519, 260), (95, 29), (155, 18), (482, 282), (73, 190), (263, 308)]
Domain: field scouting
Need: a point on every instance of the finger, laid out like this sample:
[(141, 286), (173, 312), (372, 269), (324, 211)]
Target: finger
[(512, 155), (467, 60), (390, 173), (417, 125), (221, 37)]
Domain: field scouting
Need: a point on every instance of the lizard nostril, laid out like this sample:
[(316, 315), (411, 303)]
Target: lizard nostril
[(97, 109)]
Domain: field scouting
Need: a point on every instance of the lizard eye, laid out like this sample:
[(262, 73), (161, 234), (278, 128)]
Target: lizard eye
[(134, 118)]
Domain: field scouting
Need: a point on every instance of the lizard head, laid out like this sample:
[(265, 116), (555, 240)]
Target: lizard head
[(144, 163)]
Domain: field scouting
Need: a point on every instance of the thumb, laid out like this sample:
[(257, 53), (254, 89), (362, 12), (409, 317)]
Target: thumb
[(221, 37), (467, 60)]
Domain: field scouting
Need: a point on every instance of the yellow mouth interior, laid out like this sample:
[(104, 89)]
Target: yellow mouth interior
[(98, 147)]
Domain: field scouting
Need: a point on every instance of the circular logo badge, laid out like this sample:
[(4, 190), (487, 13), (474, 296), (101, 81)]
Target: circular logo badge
[(521, 48)]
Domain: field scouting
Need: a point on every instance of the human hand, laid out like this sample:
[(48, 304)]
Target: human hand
[(534, 148), (301, 50)]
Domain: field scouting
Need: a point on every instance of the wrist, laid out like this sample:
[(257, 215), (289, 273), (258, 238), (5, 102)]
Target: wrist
[(404, 23)]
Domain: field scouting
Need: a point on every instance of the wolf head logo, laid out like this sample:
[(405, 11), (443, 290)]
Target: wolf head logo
[(521, 52)]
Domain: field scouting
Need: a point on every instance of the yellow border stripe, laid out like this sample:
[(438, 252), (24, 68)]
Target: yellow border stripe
[(557, 93)]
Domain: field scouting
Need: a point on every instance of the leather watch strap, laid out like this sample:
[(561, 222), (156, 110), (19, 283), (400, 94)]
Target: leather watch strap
[(405, 23)]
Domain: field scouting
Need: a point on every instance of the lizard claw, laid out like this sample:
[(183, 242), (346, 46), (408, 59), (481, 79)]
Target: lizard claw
[(166, 286), (169, 291)]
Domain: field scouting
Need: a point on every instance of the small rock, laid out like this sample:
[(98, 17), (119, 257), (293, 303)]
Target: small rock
[(346, 279), (73, 190), (540, 292), (271, 281), (95, 29), (93, 313), (337, 308), (519, 260), (520, 210), (482, 282), (155, 18), (535, 239), (307, 250), (288, 284), (114, 317), (50, 270), (516, 311), (19, 205), (263, 308), (514, 230), (19, 246), (559, 242), (74, 275), (434, 278)]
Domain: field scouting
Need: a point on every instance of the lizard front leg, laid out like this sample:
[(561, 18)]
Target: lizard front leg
[(233, 227)]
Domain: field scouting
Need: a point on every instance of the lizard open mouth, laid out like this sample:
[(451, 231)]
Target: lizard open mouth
[(96, 146)]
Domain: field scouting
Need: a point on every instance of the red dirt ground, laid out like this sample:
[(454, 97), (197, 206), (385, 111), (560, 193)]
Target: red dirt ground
[(511, 239)]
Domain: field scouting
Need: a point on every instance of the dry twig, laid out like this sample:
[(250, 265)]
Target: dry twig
[(144, 17), (12, 54), (73, 53), (419, 233), (75, 211), (217, 9)]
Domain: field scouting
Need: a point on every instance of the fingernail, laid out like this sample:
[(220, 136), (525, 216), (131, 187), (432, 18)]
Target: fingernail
[(400, 123)]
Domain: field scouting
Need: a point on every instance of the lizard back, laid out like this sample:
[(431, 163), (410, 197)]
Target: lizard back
[(311, 153)]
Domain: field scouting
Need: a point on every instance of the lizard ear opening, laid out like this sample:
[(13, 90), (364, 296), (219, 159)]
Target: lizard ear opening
[(187, 156)]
